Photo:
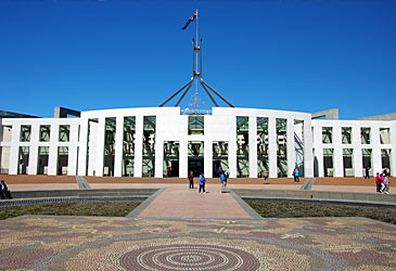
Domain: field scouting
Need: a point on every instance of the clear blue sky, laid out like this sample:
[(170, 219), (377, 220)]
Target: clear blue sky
[(282, 54)]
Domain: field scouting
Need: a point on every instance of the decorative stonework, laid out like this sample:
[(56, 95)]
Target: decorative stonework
[(190, 257)]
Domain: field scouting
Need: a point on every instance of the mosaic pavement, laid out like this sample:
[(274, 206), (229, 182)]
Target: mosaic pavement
[(101, 243)]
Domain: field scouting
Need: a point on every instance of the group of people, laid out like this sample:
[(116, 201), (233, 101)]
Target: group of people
[(5, 193), (223, 175), (382, 182)]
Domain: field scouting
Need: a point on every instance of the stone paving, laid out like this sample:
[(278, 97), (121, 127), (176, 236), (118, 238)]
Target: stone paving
[(180, 229), (102, 243)]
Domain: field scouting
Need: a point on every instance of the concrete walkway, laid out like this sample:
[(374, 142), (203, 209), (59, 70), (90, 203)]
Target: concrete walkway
[(181, 202)]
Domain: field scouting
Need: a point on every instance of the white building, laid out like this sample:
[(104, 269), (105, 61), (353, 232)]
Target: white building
[(161, 142)]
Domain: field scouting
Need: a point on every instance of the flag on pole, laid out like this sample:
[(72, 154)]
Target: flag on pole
[(190, 19)]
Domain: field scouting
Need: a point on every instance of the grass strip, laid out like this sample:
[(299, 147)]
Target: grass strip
[(97, 208), (287, 209)]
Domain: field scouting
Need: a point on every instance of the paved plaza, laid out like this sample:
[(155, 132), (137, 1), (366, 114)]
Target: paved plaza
[(102, 243)]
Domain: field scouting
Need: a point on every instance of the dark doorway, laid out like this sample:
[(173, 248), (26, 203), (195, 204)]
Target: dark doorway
[(196, 165)]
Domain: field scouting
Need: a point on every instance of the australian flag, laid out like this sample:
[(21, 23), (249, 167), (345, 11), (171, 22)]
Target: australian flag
[(190, 19)]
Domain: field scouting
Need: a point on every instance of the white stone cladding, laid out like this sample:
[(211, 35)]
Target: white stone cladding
[(171, 125)]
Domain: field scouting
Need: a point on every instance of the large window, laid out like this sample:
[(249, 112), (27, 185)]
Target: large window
[(196, 125), (346, 135), (299, 145), (347, 157), (110, 133), (128, 147), (328, 162), (262, 147), (242, 146), (196, 157), (366, 156), (63, 157), (281, 142), (64, 133), (26, 131), (45, 132), (385, 136), (42, 163), (327, 135), (171, 159), (365, 135), (23, 160), (220, 156), (149, 129)]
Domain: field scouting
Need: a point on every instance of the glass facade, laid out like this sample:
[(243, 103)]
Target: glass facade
[(109, 145), (327, 135), (171, 159), (220, 157), (42, 162), (262, 147), (45, 132), (64, 133), (128, 150), (347, 158), (23, 160), (26, 131), (242, 147), (149, 129), (328, 162), (196, 157), (299, 146), (346, 136), (365, 135), (281, 142), (196, 125), (63, 156)]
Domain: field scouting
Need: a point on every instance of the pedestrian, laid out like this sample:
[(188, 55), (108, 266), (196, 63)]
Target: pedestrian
[(386, 184), (382, 184), (223, 180), (202, 182), (4, 191), (377, 183), (266, 177), (367, 172), (296, 174), (191, 180)]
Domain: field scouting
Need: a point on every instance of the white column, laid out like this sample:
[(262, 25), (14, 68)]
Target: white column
[(308, 146), (376, 161), (393, 151), (232, 147), (252, 147), (208, 159), (53, 150), (272, 146), (159, 158), (118, 146), (183, 159), (338, 154), (100, 146), (357, 152), (73, 147), (14, 150), (291, 152), (82, 150), (138, 147), (33, 150)]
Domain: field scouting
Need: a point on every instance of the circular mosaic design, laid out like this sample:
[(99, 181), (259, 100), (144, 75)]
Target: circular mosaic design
[(189, 257)]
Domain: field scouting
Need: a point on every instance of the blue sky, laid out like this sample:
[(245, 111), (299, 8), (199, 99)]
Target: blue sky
[(280, 54)]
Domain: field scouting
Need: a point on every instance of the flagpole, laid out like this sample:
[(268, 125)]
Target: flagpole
[(196, 48)]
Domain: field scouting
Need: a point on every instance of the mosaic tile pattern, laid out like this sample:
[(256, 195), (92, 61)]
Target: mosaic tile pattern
[(102, 243)]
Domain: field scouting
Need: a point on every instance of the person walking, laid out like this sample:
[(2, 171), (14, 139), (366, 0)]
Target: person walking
[(377, 183), (191, 180), (296, 174), (386, 183), (223, 180), (202, 182)]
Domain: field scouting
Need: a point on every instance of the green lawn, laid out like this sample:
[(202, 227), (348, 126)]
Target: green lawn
[(267, 208), (100, 208)]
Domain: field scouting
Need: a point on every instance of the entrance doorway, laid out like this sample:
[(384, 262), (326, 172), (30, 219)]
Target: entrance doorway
[(196, 157)]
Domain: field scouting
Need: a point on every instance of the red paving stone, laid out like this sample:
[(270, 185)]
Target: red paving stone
[(181, 202)]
